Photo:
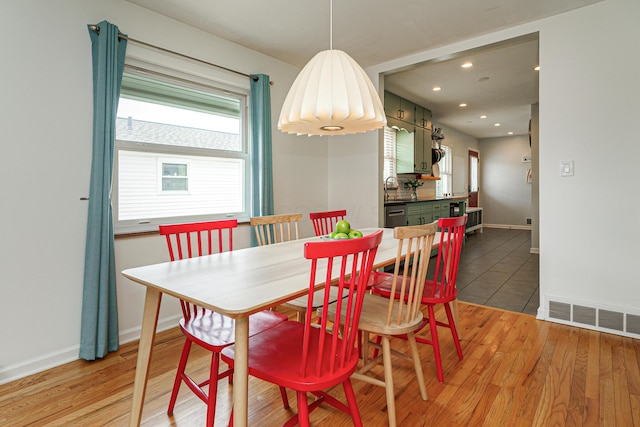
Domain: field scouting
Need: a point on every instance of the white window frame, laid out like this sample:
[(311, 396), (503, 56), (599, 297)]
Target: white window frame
[(166, 151), (445, 184), (161, 177), (389, 153)]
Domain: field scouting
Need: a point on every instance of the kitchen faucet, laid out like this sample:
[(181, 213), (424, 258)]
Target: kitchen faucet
[(386, 187)]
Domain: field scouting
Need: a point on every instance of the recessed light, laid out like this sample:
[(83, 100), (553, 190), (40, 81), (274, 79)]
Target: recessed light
[(496, 124), (483, 117), (467, 65), (536, 68), (463, 105), (437, 88), (509, 133)]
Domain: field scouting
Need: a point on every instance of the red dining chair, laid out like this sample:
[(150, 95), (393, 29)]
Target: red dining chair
[(325, 222), (387, 318), (441, 289), (210, 330), (311, 359)]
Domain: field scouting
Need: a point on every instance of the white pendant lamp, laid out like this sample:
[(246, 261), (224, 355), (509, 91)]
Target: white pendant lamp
[(332, 95)]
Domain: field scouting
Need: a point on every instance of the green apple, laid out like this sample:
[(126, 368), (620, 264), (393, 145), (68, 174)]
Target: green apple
[(340, 236), (343, 226), (354, 234), (333, 234)]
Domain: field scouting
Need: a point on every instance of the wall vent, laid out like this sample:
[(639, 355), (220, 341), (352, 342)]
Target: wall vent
[(595, 317)]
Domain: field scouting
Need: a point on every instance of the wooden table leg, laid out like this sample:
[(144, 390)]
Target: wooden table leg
[(241, 373), (147, 336)]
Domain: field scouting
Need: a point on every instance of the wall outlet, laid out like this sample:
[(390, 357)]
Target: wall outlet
[(528, 221)]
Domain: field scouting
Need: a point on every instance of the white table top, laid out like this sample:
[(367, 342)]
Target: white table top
[(245, 281)]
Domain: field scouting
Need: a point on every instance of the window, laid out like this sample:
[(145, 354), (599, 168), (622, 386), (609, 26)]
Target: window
[(389, 168), (181, 153), (446, 173), (174, 177)]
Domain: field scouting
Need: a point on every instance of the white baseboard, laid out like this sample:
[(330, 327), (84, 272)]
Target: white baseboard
[(59, 357), (534, 250), (508, 227)]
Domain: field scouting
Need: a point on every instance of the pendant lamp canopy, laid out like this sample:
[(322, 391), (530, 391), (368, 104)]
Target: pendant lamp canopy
[(332, 95)]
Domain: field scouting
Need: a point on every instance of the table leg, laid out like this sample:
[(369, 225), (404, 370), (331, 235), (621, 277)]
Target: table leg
[(241, 373), (145, 346)]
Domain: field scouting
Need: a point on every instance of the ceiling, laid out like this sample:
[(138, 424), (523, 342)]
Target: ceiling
[(295, 30)]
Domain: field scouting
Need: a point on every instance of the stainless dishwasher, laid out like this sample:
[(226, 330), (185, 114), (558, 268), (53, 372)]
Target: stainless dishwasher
[(395, 215)]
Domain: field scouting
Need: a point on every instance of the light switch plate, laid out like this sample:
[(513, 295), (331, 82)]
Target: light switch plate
[(566, 168)]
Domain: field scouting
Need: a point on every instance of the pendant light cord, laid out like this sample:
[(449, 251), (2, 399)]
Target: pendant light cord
[(331, 25)]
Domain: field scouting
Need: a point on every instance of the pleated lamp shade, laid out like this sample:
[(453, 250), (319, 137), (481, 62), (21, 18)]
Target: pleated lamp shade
[(332, 95)]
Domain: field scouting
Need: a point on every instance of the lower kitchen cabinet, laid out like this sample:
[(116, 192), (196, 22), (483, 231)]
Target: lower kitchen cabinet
[(419, 213)]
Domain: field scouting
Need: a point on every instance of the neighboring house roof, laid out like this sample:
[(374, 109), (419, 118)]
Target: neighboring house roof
[(160, 133)]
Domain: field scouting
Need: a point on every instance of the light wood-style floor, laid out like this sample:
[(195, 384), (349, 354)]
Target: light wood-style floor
[(516, 371)]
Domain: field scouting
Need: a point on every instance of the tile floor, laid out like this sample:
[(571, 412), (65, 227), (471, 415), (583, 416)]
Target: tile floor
[(497, 270)]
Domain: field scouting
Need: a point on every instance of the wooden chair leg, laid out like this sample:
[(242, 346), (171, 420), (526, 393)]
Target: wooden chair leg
[(388, 381), (417, 364)]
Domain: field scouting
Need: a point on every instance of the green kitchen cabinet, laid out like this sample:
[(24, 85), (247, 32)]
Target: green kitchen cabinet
[(399, 108), (423, 118), (422, 150)]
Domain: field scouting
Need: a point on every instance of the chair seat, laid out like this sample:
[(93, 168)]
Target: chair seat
[(318, 299), (214, 331), (380, 283), (276, 356), (372, 317)]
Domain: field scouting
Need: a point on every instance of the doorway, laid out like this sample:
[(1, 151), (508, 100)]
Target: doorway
[(472, 173)]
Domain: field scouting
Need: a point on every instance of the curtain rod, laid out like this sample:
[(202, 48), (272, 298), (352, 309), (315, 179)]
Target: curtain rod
[(96, 28)]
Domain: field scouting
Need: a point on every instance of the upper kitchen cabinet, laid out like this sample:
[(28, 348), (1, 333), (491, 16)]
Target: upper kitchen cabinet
[(399, 108), (423, 117)]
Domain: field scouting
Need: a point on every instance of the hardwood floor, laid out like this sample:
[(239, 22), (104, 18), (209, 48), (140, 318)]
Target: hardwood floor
[(516, 371)]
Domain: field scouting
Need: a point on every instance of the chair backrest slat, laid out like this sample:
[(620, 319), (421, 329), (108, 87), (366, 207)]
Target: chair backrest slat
[(452, 231), (179, 235), (410, 271), (276, 228), (335, 340), (324, 222)]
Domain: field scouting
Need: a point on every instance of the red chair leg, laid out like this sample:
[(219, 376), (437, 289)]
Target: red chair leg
[(213, 389), (285, 398), (454, 330), (353, 404), (179, 374), (434, 340), (303, 409)]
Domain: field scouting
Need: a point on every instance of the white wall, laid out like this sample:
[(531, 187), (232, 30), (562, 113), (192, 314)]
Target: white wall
[(588, 101), (47, 124), (506, 195), (588, 107)]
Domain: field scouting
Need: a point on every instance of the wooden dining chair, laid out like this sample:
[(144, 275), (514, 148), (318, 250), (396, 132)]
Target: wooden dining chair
[(441, 288), (276, 228), (325, 222), (207, 329), (282, 228), (387, 318), (309, 359)]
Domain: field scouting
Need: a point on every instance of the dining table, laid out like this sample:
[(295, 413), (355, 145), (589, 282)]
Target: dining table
[(237, 284)]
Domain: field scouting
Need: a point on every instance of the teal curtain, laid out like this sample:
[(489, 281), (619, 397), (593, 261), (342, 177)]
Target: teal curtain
[(261, 167), (99, 329)]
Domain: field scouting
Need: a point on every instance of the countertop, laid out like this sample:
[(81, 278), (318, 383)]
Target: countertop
[(424, 199)]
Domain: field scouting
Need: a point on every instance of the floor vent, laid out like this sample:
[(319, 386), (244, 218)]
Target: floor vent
[(585, 316)]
